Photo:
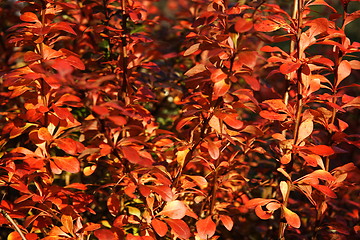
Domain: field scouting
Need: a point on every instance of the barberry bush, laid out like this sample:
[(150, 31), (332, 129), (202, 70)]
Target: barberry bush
[(208, 119)]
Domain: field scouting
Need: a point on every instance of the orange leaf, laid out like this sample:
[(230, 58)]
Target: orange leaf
[(44, 134), (50, 53), (174, 209), (344, 70), (291, 218), (67, 222), (160, 227), (273, 115), (29, 17), (68, 145), (227, 221), (31, 56), (258, 201), (105, 234), (289, 67), (243, 25), (200, 181), (69, 164), (206, 228), (220, 89), (262, 214), (218, 75), (179, 227)]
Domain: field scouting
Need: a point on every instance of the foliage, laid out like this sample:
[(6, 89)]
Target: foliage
[(139, 119)]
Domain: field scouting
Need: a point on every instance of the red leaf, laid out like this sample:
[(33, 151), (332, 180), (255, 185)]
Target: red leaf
[(91, 227), (321, 150), (113, 204), (289, 67), (266, 26), (174, 209), (291, 218), (227, 221), (78, 186), (68, 145), (179, 227), (69, 164), (75, 62), (164, 191), (118, 120), (230, 119), (50, 53), (131, 154), (276, 104), (206, 228), (160, 227), (16, 236), (311, 159), (325, 190), (252, 81), (53, 81), (243, 25), (273, 115), (64, 26), (258, 201), (31, 56), (29, 17), (184, 121), (105, 234)]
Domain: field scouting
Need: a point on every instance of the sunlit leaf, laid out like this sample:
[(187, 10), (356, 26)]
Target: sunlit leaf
[(291, 218), (174, 209), (206, 228), (227, 221), (69, 164)]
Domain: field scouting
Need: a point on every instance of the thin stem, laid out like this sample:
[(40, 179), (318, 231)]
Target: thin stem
[(124, 54), (298, 5), (13, 223)]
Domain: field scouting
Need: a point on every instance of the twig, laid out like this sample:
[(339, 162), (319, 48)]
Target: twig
[(12, 221)]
